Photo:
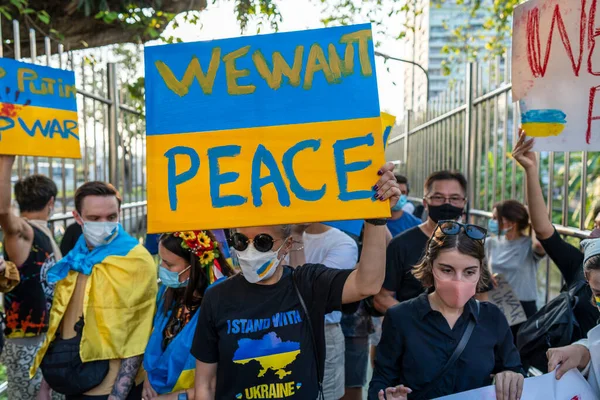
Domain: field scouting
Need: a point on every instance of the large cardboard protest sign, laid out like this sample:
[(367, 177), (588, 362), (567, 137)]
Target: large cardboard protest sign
[(355, 226), (507, 301), (572, 386), (261, 130), (38, 111), (556, 73)]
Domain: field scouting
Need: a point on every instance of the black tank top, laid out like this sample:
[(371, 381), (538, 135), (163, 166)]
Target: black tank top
[(27, 305)]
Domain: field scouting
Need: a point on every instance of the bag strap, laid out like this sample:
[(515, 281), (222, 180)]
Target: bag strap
[(576, 287), (312, 335), (457, 353)]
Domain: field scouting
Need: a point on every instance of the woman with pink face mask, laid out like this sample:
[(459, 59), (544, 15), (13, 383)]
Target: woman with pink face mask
[(444, 341)]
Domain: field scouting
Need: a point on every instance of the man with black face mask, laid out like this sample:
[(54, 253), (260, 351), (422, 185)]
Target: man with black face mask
[(445, 198)]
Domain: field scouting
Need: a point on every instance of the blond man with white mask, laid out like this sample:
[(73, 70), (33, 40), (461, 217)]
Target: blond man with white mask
[(265, 326)]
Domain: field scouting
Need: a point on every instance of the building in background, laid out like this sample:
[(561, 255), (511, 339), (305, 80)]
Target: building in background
[(434, 26)]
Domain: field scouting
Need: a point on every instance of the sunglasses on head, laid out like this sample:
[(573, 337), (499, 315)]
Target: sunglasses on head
[(449, 227), (262, 242)]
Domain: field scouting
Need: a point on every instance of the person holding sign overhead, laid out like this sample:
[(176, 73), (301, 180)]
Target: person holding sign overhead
[(30, 245), (444, 341), (273, 346), (567, 258)]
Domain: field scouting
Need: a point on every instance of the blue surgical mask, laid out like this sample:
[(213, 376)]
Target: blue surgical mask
[(493, 226), (171, 278), (401, 203)]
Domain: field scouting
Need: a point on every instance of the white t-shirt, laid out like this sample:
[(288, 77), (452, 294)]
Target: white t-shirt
[(334, 249)]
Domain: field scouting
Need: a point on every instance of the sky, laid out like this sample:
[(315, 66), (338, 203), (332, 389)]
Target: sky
[(218, 21)]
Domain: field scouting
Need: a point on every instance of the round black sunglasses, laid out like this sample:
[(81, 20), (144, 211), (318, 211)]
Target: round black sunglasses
[(262, 242), (449, 227)]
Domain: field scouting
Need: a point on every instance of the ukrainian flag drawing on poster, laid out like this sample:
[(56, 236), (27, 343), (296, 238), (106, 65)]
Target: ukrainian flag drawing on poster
[(270, 352), (263, 130), (38, 111)]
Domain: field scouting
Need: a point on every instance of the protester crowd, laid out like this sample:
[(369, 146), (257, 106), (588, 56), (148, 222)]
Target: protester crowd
[(299, 310)]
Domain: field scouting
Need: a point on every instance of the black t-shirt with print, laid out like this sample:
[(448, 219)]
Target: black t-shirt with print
[(260, 338), (27, 305)]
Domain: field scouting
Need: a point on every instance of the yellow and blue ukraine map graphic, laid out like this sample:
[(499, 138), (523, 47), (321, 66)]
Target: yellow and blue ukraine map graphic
[(272, 354)]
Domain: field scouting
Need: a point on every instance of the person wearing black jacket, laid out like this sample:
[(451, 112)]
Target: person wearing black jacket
[(567, 258)]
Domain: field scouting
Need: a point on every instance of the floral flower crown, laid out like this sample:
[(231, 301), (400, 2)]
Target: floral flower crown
[(201, 245)]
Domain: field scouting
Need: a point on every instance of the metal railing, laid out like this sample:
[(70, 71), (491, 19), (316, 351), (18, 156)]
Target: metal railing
[(472, 128), (111, 132)]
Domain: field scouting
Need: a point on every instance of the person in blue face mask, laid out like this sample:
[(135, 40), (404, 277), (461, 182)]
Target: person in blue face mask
[(190, 263), (401, 219), (514, 252)]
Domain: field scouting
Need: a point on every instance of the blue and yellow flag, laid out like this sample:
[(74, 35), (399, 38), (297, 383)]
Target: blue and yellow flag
[(118, 307), (281, 128)]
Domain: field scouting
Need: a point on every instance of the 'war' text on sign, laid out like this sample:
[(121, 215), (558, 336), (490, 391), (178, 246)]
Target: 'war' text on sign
[(38, 111)]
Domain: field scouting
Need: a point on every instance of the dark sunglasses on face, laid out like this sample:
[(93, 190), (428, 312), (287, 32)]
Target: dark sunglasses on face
[(449, 227), (262, 242)]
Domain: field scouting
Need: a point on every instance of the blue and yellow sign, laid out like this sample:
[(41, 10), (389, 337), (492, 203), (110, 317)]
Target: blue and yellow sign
[(263, 130), (38, 110), (355, 226)]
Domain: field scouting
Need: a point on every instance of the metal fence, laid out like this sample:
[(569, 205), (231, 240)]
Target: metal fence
[(112, 135), (472, 128), (111, 132)]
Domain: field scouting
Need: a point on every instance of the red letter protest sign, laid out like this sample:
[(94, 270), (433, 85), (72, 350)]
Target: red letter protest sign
[(556, 73)]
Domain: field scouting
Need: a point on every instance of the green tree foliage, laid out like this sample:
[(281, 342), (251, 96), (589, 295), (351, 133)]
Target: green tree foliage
[(149, 17)]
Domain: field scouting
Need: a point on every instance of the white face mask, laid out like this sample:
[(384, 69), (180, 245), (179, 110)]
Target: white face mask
[(257, 266), (100, 233)]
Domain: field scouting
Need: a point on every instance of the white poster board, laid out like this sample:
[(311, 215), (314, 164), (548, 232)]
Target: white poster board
[(507, 301), (556, 73), (572, 386)]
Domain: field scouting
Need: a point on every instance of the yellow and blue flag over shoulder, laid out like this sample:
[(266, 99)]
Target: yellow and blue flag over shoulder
[(173, 368), (38, 110), (130, 297), (263, 130)]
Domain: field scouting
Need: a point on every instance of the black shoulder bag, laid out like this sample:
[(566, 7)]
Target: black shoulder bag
[(64, 371), (320, 396), (457, 353)]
